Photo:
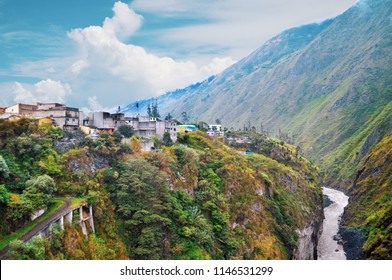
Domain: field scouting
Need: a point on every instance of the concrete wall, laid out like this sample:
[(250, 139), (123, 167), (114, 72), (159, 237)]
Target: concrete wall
[(21, 109), (148, 127), (172, 129), (47, 106), (105, 120)]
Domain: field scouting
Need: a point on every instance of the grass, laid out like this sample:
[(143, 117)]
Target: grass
[(56, 203), (77, 201)]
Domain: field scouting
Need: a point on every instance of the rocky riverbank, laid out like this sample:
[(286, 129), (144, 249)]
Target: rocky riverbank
[(352, 241)]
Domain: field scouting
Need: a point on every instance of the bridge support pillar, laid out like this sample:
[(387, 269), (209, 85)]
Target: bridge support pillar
[(69, 217), (91, 219), (62, 222), (82, 223)]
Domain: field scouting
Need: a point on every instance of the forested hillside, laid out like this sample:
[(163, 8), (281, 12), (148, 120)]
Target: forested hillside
[(198, 199)]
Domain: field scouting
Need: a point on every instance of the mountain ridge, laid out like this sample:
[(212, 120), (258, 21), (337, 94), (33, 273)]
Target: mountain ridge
[(329, 88), (304, 82)]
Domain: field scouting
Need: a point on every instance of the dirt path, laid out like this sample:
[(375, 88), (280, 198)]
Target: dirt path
[(60, 212)]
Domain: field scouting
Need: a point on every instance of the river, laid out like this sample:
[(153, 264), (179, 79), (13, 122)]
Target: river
[(329, 249)]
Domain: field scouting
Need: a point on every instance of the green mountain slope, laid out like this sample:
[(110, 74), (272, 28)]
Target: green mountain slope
[(328, 86)]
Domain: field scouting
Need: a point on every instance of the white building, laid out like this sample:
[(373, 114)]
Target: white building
[(215, 130)]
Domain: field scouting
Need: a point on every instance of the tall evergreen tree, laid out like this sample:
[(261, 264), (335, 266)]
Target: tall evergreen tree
[(155, 111), (149, 111)]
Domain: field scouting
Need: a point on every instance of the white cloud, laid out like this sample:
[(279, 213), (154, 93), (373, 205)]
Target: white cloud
[(237, 27), (43, 91), (104, 55), (217, 64), (22, 95), (104, 68), (78, 66), (124, 22)]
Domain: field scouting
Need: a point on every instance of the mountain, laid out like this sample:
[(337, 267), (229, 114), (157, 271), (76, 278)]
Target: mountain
[(328, 86), (166, 101)]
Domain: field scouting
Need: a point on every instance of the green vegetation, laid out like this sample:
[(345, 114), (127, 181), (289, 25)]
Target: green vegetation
[(196, 199), (39, 168), (125, 130), (54, 205), (371, 201)]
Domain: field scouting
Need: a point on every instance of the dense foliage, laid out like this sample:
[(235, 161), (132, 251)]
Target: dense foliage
[(40, 162), (197, 199)]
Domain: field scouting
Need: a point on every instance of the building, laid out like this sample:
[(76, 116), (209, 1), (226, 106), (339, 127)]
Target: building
[(104, 121), (147, 127), (184, 128), (64, 117), (22, 110), (9, 117), (215, 130), (45, 121), (90, 132)]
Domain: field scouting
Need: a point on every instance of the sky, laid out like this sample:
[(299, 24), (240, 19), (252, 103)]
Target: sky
[(100, 54)]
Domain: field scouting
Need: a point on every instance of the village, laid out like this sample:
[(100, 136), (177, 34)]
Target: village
[(92, 124)]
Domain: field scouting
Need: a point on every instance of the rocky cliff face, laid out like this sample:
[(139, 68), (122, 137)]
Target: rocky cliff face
[(308, 238)]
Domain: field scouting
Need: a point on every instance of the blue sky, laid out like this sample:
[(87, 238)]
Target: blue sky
[(104, 53)]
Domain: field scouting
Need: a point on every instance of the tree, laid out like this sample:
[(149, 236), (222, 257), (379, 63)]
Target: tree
[(142, 198), (4, 195), (168, 117), (185, 117), (38, 199), (126, 130), (18, 209), (157, 142), (203, 125), (136, 144), (167, 141), (40, 188), (55, 132), (4, 170), (154, 110), (149, 111), (33, 250), (218, 121)]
